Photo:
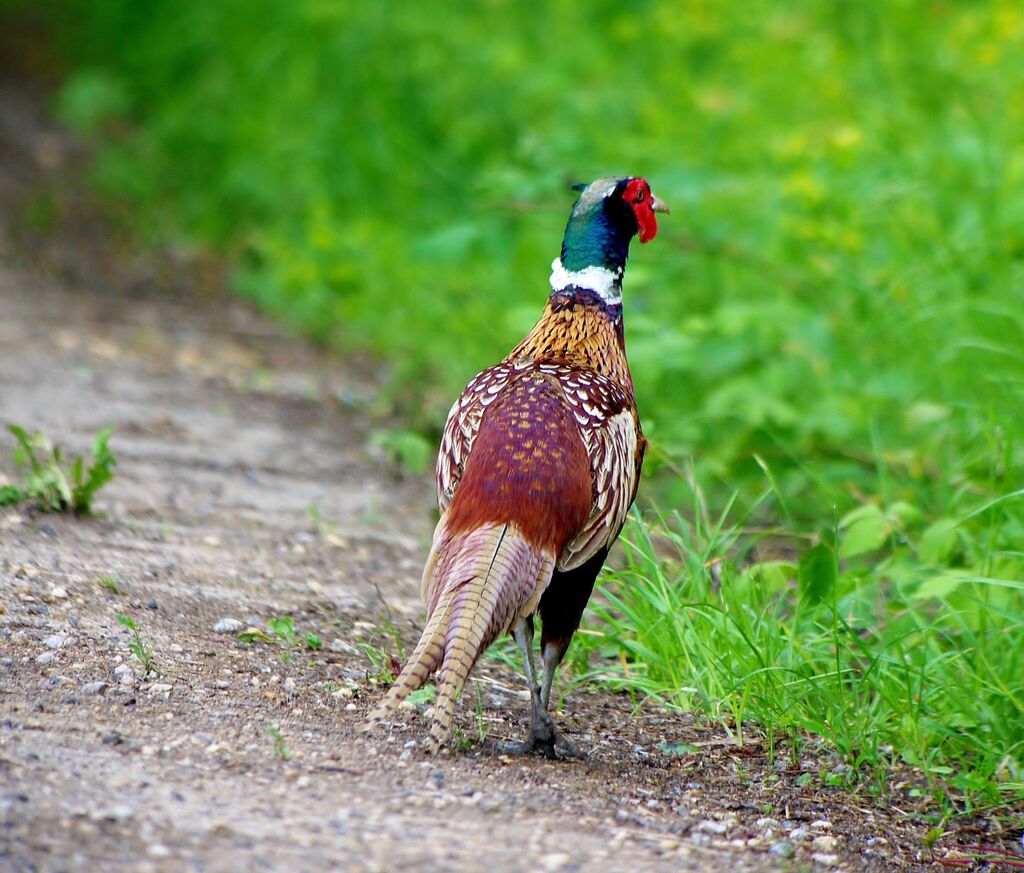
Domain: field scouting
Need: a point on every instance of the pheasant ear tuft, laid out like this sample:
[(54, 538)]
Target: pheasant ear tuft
[(579, 186)]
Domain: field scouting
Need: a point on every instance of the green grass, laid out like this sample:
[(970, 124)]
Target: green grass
[(138, 646), (887, 660), (51, 483), (831, 315)]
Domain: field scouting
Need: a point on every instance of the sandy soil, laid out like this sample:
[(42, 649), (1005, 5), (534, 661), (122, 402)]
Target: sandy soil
[(245, 490)]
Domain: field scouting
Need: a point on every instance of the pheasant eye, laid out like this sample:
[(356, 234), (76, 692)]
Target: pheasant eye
[(639, 198)]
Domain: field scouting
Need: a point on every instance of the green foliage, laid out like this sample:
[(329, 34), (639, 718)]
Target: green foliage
[(423, 695), (285, 634), (408, 448), (108, 583), (277, 739), (896, 658), (837, 291), (47, 483), (138, 646)]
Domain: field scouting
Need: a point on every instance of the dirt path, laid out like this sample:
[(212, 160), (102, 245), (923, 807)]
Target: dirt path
[(230, 442)]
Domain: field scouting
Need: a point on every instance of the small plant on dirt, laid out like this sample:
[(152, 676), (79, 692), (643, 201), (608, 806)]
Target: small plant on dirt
[(280, 746), (461, 742), (284, 630), (423, 695), (110, 584), (50, 483), (481, 727), (384, 640), (284, 633), (320, 525), (142, 652), (385, 665), (678, 750)]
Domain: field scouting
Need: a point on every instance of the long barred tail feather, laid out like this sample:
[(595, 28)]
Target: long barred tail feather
[(481, 581)]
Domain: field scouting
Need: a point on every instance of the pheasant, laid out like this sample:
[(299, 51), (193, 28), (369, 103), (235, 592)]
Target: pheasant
[(539, 463)]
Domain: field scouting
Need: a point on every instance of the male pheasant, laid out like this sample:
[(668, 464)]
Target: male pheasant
[(539, 464)]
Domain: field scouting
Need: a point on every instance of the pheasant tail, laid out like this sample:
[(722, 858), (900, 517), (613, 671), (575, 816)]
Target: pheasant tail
[(476, 583)]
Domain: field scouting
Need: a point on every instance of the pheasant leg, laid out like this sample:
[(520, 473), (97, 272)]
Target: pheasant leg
[(552, 658), (542, 735)]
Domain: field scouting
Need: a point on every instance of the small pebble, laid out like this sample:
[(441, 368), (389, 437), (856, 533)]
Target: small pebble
[(47, 658), (91, 689), (782, 849), (228, 625), (58, 641), (713, 827), (555, 861), (799, 833), (825, 860), (825, 843)]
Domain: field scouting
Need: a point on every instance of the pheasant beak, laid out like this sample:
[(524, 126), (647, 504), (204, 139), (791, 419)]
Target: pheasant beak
[(658, 205)]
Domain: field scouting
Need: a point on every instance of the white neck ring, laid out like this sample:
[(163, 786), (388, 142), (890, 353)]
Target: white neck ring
[(605, 283)]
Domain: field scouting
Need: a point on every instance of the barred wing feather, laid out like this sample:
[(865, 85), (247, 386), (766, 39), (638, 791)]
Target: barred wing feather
[(615, 444), (462, 425)]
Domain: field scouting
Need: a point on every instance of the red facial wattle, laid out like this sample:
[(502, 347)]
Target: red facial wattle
[(637, 195)]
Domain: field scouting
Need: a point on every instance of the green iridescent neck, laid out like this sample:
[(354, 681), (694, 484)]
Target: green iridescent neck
[(592, 240)]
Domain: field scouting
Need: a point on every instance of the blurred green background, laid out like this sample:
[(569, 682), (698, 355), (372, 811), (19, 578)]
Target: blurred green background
[(838, 289), (829, 327)]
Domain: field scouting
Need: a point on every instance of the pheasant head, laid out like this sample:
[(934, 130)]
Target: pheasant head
[(608, 214)]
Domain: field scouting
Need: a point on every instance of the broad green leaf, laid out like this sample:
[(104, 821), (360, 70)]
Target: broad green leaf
[(817, 573), (422, 695), (865, 534), (868, 510), (939, 542), (771, 575), (906, 513), (938, 586)]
